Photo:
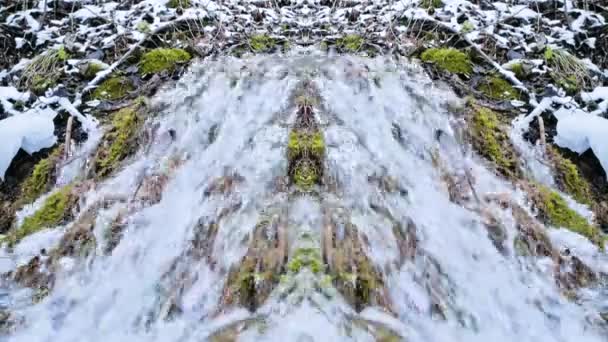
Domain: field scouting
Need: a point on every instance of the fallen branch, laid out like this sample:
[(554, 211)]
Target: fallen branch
[(68, 137)]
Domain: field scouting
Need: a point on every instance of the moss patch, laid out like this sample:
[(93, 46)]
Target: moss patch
[(428, 4), (92, 69), (120, 140), (569, 179), (261, 43), (179, 4), (519, 70), (490, 140), (300, 144), (162, 59), (450, 60), (555, 211), (350, 43), (498, 88), (39, 181), (306, 257), (113, 88), (54, 211)]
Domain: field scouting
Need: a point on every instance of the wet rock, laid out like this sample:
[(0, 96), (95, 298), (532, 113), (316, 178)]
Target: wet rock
[(512, 54)]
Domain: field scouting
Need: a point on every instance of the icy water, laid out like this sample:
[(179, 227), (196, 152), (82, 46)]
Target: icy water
[(374, 250)]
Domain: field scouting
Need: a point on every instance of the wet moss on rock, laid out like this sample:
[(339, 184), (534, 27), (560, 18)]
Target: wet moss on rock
[(54, 211), (555, 211), (179, 4), (569, 178), (120, 141), (306, 258), (448, 59), (162, 59), (491, 141), (498, 88), (350, 43), (41, 178), (261, 43), (114, 88)]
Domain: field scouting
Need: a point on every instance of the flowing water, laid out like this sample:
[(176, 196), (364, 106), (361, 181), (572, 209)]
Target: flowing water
[(376, 249)]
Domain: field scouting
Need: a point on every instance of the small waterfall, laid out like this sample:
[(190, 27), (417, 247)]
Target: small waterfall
[(300, 198)]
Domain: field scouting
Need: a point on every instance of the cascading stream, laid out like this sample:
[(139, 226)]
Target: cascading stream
[(301, 198)]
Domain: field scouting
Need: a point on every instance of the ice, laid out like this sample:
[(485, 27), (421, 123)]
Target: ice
[(31, 131), (579, 131)]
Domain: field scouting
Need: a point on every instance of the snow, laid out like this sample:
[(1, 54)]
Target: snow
[(579, 131), (11, 93), (31, 131)]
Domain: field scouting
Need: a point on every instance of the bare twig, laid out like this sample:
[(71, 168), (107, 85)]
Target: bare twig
[(68, 137)]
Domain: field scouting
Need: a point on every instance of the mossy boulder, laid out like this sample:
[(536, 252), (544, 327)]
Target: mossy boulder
[(491, 140), (350, 43), (448, 59), (555, 211), (40, 181), (498, 88), (162, 59), (114, 88), (179, 4), (120, 141), (54, 211), (569, 178), (261, 43)]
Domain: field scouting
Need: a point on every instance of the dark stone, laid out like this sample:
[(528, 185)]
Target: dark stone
[(511, 55)]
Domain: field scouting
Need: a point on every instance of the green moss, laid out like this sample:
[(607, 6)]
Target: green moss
[(38, 182), (498, 88), (569, 179), (467, 27), (518, 70), (306, 257), (428, 4), (41, 83), (121, 138), (451, 60), (310, 144), (491, 141), (179, 4), (162, 59), (305, 175), (557, 213), (92, 69), (261, 43), (143, 27), (350, 43), (113, 88), (53, 212)]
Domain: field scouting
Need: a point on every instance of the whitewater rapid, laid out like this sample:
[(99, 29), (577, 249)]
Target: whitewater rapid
[(383, 121)]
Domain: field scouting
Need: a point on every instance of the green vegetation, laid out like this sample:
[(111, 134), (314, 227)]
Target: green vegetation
[(114, 88), (261, 43), (121, 139), (143, 27), (44, 71), (491, 141), (350, 43), (555, 211), (449, 59), (162, 59), (305, 175), (568, 71), (179, 4), (431, 4), (306, 257), (54, 211), (498, 88), (305, 144), (467, 27), (92, 69), (518, 70), (569, 178), (39, 181)]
